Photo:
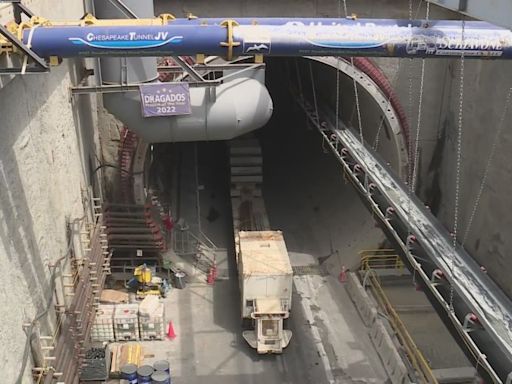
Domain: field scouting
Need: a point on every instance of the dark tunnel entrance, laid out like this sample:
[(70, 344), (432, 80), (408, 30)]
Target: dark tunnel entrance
[(302, 181)]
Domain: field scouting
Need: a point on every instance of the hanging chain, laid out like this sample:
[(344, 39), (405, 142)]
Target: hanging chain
[(410, 109), (314, 94), (459, 140), (459, 159), (356, 92), (413, 154), (338, 73), (358, 106), (420, 110), (337, 93), (394, 82), (495, 143)]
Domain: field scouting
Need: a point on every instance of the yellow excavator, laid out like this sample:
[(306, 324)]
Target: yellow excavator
[(147, 284)]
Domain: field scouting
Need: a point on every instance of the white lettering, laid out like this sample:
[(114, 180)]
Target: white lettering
[(161, 35), (170, 98)]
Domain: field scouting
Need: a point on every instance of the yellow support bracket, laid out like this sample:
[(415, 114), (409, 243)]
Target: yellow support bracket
[(230, 43), (166, 18), (54, 61), (200, 58)]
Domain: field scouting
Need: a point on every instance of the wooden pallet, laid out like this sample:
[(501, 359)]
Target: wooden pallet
[(122, 354)]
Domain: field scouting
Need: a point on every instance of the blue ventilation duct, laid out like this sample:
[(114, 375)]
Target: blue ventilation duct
[(275, 37)]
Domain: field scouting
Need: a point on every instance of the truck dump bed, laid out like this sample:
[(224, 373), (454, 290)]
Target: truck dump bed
[(265, 272), (263, 253)]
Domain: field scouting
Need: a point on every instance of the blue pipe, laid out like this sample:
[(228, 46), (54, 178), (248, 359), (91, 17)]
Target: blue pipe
[(278, 37)]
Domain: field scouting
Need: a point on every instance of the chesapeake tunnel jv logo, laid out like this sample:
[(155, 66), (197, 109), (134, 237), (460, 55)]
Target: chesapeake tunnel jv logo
[(130, 40)]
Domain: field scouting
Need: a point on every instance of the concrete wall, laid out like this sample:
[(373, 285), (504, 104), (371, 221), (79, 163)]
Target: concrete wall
[(489, 241), (46, 160)]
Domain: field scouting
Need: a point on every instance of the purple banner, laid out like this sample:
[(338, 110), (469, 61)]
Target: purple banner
[(165, 99)]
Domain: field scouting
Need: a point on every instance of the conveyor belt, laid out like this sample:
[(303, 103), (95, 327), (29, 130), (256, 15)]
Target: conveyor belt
[(430, 247)]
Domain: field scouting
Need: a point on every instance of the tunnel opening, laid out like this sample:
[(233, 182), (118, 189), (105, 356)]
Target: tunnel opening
[(322, 200), (300, 177)]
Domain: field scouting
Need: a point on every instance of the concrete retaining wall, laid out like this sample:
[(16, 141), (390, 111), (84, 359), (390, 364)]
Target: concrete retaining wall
[(391, 359), (45, 146), (393, 363), (364, 305)]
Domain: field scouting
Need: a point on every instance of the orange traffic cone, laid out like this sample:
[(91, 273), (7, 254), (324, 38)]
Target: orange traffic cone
[(170, 331), (343, 274)]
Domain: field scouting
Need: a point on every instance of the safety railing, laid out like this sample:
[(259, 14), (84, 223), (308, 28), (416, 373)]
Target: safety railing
[(381, 259), (386, 259), (186, 243)]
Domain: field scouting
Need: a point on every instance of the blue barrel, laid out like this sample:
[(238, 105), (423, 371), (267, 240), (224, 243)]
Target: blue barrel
[(144, 374), (161, 377), (161, 365), (129, 373)]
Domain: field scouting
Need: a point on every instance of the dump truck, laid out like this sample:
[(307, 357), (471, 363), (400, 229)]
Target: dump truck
[(266, 278)]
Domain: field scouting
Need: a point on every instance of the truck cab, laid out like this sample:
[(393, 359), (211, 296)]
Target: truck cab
[(268, 335)]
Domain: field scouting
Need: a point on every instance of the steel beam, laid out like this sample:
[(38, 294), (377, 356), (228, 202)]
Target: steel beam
[(124, 8), (189, 69), (207, 67), (494, 11), (131, 87)]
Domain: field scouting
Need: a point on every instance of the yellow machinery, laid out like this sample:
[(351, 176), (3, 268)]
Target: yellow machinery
[(147, 284)]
